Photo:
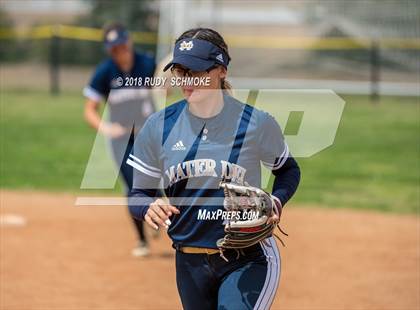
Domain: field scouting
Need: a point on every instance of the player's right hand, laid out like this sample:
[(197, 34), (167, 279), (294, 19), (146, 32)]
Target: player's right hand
[(113, 130), (158, 214)]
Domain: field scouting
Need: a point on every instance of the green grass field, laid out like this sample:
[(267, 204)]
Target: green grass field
[(373, 164)]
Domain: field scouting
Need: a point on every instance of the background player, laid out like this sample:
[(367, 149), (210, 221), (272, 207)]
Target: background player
[(128, 107), (191, 146)]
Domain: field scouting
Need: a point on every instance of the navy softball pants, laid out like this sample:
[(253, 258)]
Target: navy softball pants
[(249, 281)]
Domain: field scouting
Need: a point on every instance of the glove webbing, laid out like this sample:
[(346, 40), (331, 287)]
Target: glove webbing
[(228, 243)]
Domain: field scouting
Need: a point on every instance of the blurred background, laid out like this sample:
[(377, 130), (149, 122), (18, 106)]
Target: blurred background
[(367, 51), (340, 45)]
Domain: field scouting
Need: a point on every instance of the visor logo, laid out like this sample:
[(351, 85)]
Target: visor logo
[(112, 35), (186, 45), (219, 57)]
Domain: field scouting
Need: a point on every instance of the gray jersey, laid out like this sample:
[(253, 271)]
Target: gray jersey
[(191, 155)]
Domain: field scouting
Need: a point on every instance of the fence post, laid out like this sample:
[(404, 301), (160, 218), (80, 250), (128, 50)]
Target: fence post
[(55, 61), (375, 70)]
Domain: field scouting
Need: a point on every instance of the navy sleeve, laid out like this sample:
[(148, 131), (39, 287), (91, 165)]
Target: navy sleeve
[(286, 180), (275, 155), (99, 85), (139, 201), (144, 158), (150, 65)]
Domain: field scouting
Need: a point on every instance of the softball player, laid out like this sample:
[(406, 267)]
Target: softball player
[(128, 107), (188, 148)]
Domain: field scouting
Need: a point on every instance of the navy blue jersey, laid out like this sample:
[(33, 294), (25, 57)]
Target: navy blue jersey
[(189, 156), (126, 104)]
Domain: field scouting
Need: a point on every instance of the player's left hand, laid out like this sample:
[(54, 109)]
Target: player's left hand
[(277, 208), (273, 219)]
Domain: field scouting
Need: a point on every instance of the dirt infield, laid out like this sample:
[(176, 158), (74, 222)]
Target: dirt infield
[(68, 257)]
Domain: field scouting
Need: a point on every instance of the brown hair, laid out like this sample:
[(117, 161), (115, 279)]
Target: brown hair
[(214, 37)]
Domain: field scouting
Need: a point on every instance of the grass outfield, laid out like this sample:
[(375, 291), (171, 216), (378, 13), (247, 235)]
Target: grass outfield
[(373, 164)]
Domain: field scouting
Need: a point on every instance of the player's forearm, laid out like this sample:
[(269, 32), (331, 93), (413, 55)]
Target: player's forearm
[(91, 114), (286, 180), (139, 201)]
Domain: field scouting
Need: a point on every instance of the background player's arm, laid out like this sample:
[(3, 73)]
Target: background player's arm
[(94, 119), (91, 113), (96, 92)]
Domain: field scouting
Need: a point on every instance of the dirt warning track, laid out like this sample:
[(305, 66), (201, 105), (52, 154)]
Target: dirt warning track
[(58, 256)]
